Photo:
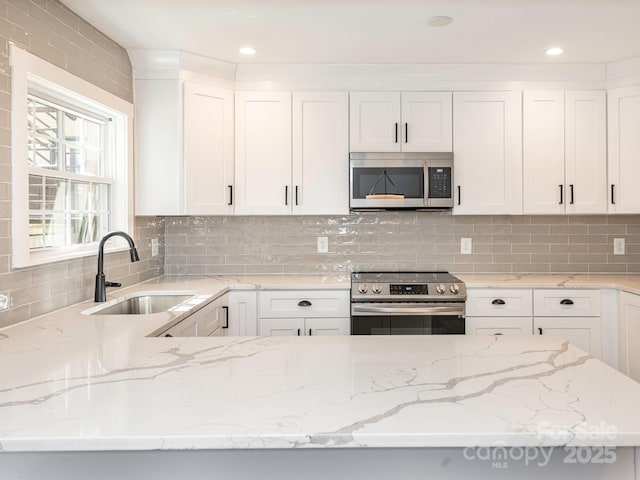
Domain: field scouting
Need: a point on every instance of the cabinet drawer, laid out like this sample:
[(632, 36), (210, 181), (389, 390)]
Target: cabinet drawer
[(499, 326), (491, 302), (304, 303), (566, 303)]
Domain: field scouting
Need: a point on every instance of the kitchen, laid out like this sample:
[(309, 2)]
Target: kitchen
[(506, 242)]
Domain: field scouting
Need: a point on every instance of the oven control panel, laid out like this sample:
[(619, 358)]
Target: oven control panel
[(410, 289)]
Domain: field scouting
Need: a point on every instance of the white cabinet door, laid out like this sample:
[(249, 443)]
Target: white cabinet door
[(629, 335), (327, 326), (243, 313), (427, 123), (158, 166), (374, 123), (290, 327), (320, 153), (583, 332), (487, 149), (543, 152), (208, 150), (498, 325), (499, 302), (624, 150), (586, 151), (263, 153)]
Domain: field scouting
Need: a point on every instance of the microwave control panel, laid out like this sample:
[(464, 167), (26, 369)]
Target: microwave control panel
[(439, 182)]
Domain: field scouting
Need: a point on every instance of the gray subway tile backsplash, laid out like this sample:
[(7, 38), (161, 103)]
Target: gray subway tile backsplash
[(404, 240)]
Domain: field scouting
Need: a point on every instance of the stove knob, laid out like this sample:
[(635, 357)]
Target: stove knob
[(454, 289), (376, 289), (440, 288), (363, 288)]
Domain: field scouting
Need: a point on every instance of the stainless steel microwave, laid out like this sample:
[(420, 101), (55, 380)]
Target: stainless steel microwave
[(401, 180)]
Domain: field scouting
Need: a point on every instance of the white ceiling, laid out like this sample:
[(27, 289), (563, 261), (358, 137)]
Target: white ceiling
[(374, 31)]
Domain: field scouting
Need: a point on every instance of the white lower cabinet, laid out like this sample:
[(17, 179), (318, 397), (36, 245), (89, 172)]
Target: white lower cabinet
[(498, 325), (210, 321), (242, 308), (629, 335), (304, 312), (304, 326), (584, 332), (572, 314)]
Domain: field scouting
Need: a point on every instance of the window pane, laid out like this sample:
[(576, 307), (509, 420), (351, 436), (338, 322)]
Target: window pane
[(103, 197), (55, 194), (43, 135), (92, 164), (73, 159), (92, 136), (72, 128), (79, 197), (36, 231), (36, 193), (55, 230)]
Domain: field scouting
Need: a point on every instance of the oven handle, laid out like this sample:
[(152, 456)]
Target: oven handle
[(404, 309)]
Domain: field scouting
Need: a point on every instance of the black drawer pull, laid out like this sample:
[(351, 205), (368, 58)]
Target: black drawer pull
[(540, 330), (168, 335), (298, 332), (498, 334), (566, 301), (304, 303), (226, 317), (309, 332), (498, 301)]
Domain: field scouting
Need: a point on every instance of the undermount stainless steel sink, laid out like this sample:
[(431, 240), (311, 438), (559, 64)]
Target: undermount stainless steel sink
[(141, 304)]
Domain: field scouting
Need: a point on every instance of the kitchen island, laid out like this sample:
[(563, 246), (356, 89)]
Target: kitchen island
[(91, 396)]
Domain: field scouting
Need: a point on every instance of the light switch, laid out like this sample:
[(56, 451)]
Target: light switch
[(618, 246)]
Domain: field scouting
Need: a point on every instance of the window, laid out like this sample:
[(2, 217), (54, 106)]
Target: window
[(71, 163)]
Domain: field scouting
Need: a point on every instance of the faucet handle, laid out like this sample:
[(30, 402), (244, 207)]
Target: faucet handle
[(112, 284)]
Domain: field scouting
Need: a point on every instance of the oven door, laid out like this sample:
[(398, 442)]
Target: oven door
[(407, 319)]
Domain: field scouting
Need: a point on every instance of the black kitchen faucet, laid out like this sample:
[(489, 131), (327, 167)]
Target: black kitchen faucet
[(101, 283)]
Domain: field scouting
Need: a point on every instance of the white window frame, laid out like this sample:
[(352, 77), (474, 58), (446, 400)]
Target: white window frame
[(32, 73)]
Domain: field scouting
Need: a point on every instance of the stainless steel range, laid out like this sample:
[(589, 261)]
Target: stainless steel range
[(407, 303)]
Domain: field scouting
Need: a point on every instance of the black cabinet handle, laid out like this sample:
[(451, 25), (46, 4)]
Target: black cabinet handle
[(230, 194), (396, 132), (309, 332), (297, 195), (286, 194), (613, 198), (571, 192), (459, 195), (498, 334), (226, 317), (298, 332), (406, 133), (566, 301), (561, 195), (498, 301), (304, 303), (168, 335), (540, 330)]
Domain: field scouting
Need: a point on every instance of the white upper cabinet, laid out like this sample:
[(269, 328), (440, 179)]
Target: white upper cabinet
[(564, 152), (208, 150), (320, 153), (292, 156), (263, 153), (487, 152), (624, 150), (395, 122), (184, 148)]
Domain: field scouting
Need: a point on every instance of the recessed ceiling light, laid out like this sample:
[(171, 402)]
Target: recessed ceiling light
[(439, 21), (554, 51), (248, 51)]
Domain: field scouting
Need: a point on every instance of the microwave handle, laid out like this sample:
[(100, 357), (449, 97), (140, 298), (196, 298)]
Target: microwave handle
[(426, 184)]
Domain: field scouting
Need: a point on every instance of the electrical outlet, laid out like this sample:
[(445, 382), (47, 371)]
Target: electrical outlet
[(323, 244), (618, 246), (155, 246), (5, 301), (465, 246)]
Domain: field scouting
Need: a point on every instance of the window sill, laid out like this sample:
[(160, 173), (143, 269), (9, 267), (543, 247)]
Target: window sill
[(64, 254)]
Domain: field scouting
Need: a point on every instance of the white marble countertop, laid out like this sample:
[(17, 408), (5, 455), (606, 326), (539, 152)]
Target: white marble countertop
[(74, 382)]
